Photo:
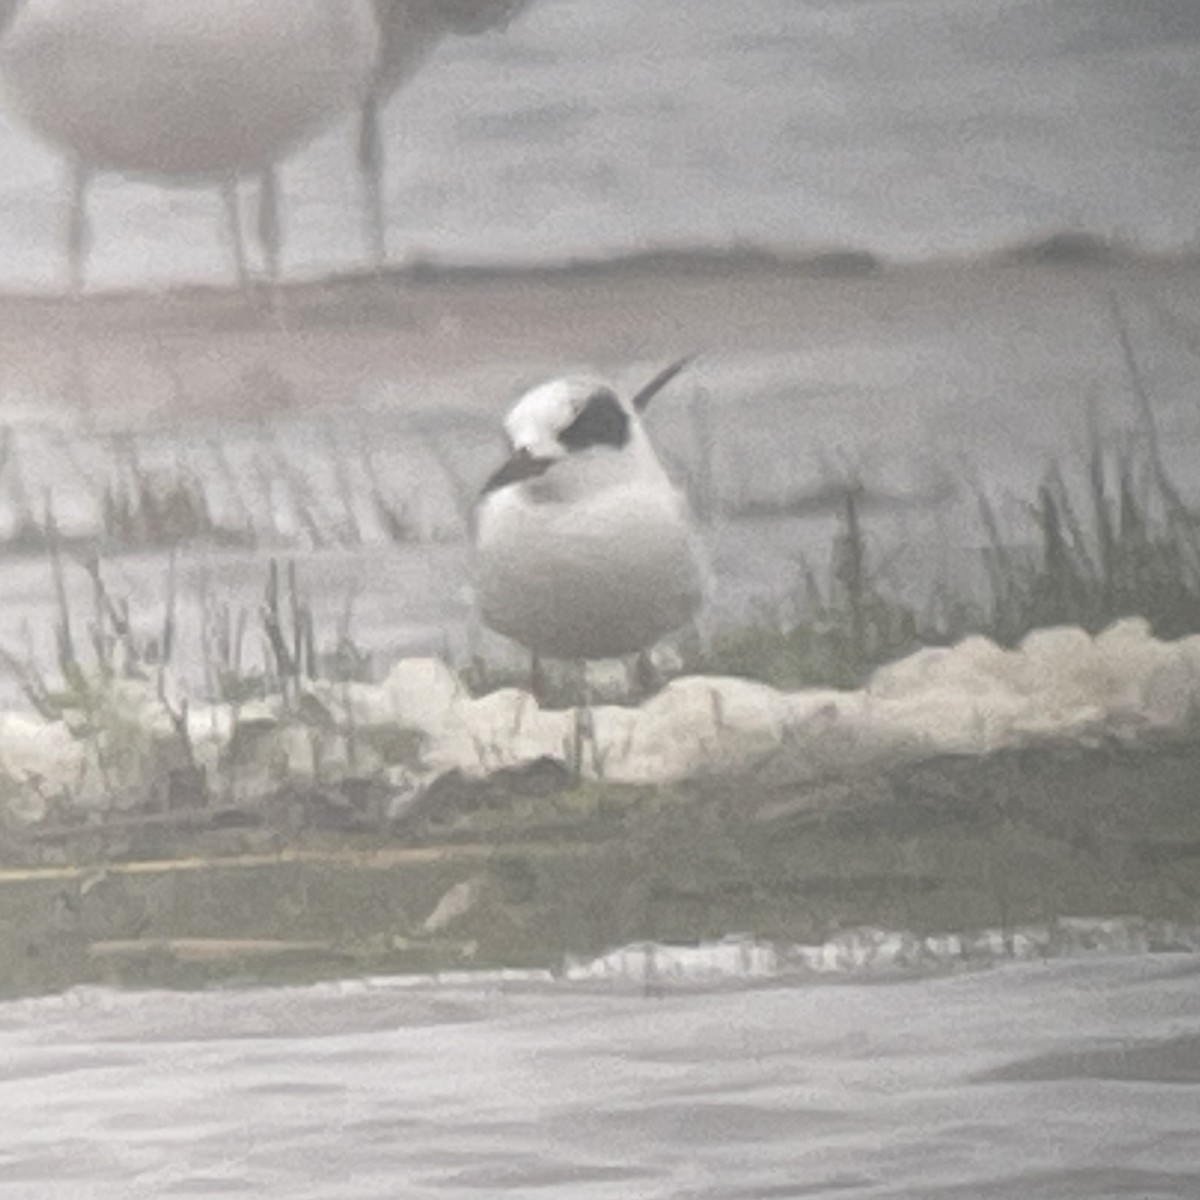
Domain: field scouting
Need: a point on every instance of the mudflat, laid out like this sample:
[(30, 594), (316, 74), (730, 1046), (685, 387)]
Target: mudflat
[(433, 337)]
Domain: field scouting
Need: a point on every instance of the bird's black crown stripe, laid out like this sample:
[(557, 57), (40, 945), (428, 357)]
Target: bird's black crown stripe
[(601, 422)]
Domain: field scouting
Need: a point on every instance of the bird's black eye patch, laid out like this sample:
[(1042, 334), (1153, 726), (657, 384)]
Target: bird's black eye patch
[(601, 422)]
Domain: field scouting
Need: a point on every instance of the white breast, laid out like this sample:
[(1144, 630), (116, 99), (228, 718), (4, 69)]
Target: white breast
[(596, 577)]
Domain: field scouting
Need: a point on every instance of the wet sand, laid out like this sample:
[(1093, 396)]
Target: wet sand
[(430, 337)]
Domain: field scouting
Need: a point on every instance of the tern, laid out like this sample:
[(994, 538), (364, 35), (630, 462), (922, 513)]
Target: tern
[(195, 92), (583, 547)]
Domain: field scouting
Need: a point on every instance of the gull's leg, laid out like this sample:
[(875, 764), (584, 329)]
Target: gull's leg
[(233, 227), (270, 237), (269, 234), (79, 236), (370, 164)]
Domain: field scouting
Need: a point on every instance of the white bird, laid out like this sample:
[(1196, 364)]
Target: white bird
[(185, 91), (584, 548), (411, 30)]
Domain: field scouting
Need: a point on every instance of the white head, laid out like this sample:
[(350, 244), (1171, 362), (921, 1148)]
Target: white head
[(580, 422)]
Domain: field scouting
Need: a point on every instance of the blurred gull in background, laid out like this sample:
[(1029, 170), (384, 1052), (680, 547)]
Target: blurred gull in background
[(184, 93), (197, 94)]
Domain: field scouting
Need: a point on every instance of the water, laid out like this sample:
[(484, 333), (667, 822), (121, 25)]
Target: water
[(911, 128), (1050, 1081)]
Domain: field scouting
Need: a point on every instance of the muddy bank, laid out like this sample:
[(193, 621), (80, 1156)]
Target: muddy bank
[(546, 868)]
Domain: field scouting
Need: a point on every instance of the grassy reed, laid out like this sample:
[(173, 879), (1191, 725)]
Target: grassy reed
[(1113, 540), (1120, 543), (127, 506), (96, 647), (845, 623), (1016, 839), (1109, 539)]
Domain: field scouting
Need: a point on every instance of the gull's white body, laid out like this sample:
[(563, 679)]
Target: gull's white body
[(595, 558), (184, 91), (209, 91)]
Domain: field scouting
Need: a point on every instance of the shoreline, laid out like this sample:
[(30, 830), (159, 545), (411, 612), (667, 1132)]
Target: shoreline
[(465, 337), (336, 299), (985, 841), (1052, 850), (1063, 249)]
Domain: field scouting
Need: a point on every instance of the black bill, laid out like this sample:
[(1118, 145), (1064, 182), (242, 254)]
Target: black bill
[(522, 465)]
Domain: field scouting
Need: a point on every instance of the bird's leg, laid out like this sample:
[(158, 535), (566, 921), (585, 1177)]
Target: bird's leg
[(585, 727), (537, 678), (78, 231), (269, 234), (233, 227), (78, 384), (585, 735), (370, 162), (645, 674)]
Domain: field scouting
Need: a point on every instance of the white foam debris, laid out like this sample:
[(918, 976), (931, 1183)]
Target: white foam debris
[(422, 692), (502, 729), (728, 725), (734, 957), (974, 698), (866, 950), (478, 977), (741, 959), (40, 760)]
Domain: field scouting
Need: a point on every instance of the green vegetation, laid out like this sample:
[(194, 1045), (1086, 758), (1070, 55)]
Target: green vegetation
[(294, 844), (542, 872), (1118, 541), (847, 624), (200, 499), (1112, 539), (249, 872)]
